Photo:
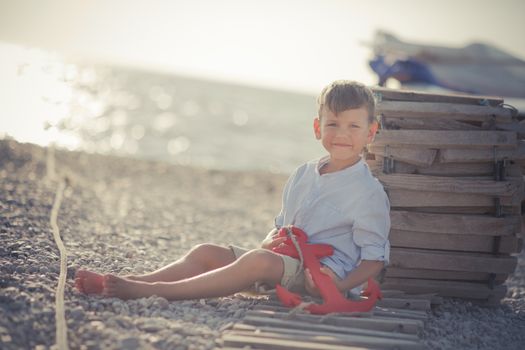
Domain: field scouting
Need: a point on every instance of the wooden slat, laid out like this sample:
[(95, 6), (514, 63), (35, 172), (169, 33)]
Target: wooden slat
[(454, 223), (324, 329), (397, 303), (468, 185), (396, 123), (466, 290), (416, 156), (457, 261), (324, 341), (378, 324), (443, 110), (446, 169), (282, 344), (408, 199), (379, 311), (455, 242), (457, 155), (446, 138), (488, 210), (420, 96), (443, 275)]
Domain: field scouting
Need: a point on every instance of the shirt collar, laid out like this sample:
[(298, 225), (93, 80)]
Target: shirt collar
[(346, 171)]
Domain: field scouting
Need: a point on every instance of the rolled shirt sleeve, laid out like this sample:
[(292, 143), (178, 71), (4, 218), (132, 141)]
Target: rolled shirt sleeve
[(372, 227)]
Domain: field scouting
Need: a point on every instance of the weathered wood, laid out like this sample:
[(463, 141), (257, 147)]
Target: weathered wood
[(451, 261), (398, 303), (282, 344), (380, 311), (466, 290), (378, 324), (444, 275), (454, 223), (489, 154), (401, 123), (467, 185), (309, 327), (421, 156), (294, 340), (447, 169), (488, 210), (444, 110), (410, 198), (420, 96), (455, 242), (446, 139)]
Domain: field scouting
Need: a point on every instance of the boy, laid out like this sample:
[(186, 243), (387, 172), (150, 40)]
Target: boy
[(335, 200)]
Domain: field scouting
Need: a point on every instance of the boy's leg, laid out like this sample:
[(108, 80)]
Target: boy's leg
[(200, 259), (257, 265)]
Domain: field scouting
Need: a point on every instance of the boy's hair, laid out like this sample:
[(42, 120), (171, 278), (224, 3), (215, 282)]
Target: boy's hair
[(346, 94)]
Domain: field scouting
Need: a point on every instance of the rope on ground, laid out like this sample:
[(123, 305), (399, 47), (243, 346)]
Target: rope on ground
[(60, 317)]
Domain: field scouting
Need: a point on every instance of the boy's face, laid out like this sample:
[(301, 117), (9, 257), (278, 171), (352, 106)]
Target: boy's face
[(344, 135)]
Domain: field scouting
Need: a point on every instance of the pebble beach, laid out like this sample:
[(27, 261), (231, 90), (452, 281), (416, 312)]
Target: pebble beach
[(124, 215)]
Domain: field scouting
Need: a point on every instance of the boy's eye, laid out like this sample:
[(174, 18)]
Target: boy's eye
[(331, 124), (355, 126)]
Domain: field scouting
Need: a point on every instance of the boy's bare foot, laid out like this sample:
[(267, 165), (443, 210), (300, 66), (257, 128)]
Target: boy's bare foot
[(88, 282), (124, 288)]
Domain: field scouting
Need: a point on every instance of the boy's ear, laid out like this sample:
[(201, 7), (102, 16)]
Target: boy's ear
[(317, 128), (372, 130)]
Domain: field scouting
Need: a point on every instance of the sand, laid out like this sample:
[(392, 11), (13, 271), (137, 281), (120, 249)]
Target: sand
[(128, 216)]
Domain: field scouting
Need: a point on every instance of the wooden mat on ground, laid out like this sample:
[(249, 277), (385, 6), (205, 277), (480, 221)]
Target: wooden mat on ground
[(393, 324)]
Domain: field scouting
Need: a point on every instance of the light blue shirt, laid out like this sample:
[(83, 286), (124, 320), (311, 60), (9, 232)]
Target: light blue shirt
[(347, 209)]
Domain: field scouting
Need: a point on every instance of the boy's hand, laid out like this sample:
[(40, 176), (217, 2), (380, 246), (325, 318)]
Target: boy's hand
[(309, 282), (272, 241)]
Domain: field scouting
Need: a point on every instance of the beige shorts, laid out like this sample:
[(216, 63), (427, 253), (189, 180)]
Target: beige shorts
[(293, 275)]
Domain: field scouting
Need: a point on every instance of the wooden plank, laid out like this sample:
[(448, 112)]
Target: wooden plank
[(411, 155), (454, 111), (454, 223), (457, 155), (443, 275), (398, 303), (469, 185), (455, 242), (488, 210), (466, 290), (446, 138), (420, 96), (325, 330), (456, 261), (445, 169), (408, 199), (284, 344), (401, 123), (378, 324), (300, 337), (380, 311)]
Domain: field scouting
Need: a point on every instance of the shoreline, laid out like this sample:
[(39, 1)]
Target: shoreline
[(125, 215)]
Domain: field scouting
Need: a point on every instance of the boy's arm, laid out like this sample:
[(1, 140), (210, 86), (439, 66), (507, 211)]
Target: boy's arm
[(361, 274)]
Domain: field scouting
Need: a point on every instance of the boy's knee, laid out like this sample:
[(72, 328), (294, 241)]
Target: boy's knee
[(263, 261)]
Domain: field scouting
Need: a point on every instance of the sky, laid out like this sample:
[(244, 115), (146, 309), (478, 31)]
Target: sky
[(292, 45)]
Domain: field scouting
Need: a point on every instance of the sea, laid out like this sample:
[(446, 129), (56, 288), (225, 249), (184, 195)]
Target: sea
[(107, 109)]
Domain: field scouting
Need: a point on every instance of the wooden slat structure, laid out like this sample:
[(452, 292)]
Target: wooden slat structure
[(393, 324), (452, 167)]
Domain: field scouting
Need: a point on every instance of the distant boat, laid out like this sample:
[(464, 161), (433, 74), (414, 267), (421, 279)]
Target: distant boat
[(477, 68)]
